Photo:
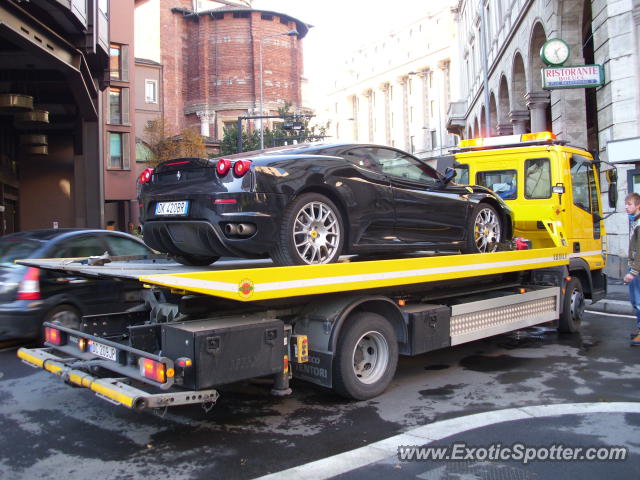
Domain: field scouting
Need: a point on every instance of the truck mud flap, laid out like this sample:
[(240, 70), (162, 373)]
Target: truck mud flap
[(317, 370), (114, 390)]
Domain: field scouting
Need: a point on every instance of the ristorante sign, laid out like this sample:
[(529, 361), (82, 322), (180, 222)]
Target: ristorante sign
[(580, 76)]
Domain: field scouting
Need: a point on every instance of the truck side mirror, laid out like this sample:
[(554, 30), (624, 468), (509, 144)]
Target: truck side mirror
[(559, 189), (612, 180), (613, 195)]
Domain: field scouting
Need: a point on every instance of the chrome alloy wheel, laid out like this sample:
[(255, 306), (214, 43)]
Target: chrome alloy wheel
[(576, 306), (316, 233), (486, 230), (370, 357)]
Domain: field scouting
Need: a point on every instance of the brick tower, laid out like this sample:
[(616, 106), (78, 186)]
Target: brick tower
[(211, 64)]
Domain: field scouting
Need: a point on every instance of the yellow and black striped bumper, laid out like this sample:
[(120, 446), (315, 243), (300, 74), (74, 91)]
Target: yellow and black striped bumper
[(112, 389)]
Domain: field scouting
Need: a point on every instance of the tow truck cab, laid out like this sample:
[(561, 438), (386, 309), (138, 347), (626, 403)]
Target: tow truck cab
[(541, 177)]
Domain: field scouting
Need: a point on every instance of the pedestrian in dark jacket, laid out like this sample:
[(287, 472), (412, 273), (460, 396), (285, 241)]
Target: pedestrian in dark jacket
[(632, 278)]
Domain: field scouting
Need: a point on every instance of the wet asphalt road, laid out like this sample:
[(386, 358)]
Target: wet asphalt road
[(50, 430)]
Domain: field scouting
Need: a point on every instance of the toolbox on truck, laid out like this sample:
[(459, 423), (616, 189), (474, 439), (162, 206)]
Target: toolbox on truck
[(429, 327), (226, 350)]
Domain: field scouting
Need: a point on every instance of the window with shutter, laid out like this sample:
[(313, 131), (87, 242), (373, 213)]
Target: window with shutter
[(124, 63), (125, 106)]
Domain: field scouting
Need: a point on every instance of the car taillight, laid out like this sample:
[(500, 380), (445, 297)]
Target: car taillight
[(146, 176), (241, 167), (29, 288), (53, 336), (154, 370), (223, 166)]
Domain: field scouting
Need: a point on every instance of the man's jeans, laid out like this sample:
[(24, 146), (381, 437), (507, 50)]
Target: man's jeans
[(634, 296)]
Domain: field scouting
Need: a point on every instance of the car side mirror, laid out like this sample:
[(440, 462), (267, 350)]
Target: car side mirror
[(449, 174)]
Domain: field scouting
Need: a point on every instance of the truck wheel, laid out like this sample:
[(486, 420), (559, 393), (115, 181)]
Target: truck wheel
[(311, 232), (484, 231), (366, 357), (194, 260), (573, 307), (65, 315)]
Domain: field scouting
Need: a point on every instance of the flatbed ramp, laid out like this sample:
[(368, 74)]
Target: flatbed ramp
[(248, 281)]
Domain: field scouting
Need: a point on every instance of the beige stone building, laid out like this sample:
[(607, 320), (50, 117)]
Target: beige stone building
[(396, 89), (501, 40)]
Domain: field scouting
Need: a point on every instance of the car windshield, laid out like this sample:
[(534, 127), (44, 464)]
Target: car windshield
[(14, 248)]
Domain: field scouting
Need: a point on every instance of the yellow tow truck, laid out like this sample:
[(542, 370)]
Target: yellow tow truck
[(339, 325)]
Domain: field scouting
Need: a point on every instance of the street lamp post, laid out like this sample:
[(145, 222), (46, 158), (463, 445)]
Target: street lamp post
[(290, 33)]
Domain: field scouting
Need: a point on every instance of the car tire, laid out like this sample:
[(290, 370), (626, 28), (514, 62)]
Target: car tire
[(484, 230), (65, 315), (366, 357), (194, 260), (572, 307), (311, 232)]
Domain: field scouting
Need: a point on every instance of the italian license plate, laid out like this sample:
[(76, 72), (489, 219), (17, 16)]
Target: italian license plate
[(104, 351), (172, 208)]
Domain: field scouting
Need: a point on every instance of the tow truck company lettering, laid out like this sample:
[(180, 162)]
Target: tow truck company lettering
[(312, 370)]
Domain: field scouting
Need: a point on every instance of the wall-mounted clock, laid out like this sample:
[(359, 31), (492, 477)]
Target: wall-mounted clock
[(555, 51)]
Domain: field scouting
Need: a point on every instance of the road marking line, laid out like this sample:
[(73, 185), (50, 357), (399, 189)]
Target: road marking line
[(606, 314), (360, 457)]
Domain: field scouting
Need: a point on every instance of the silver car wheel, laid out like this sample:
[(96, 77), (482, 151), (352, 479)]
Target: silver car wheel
[(370, 357), (316, 233), (486, 230)]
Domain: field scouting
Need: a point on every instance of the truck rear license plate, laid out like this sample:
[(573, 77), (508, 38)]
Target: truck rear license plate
[(172, 208), (104, 351)]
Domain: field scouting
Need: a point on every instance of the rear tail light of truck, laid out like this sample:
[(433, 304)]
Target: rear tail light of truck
[(156, 371), (53, 336), (29, 288)]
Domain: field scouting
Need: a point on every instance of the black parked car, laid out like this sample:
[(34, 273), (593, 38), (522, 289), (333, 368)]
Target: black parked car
[(307, 204), (29, 296)]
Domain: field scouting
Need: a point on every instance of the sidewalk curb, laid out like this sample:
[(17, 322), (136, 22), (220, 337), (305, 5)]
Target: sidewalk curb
[(618, 307)]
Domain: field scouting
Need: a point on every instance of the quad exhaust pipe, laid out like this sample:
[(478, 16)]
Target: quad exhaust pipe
[(239, 229)]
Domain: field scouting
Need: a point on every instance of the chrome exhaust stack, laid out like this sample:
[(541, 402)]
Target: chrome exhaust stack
[(231, 229), (246, 229)]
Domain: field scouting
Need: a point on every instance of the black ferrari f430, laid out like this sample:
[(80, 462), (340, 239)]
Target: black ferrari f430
[(311, 203)]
